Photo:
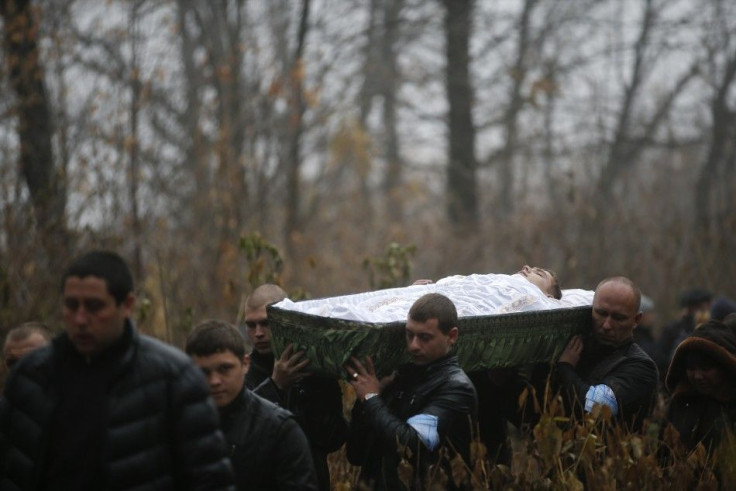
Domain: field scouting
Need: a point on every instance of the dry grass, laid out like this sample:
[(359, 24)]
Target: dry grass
[(562, 454)]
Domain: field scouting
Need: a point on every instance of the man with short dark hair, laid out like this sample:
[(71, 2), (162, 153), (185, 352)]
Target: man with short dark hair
[(428, 404), (608, 368), (268, 448), (104, 407), (315, 401), (23, 339)]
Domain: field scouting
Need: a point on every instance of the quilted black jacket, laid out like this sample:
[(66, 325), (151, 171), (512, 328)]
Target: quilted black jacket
[(161, 430)]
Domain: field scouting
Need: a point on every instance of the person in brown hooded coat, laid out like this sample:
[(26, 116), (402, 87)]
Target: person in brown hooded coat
[(702, 380)]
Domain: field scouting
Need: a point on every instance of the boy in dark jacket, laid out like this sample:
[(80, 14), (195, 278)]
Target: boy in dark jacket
[(268, 449)]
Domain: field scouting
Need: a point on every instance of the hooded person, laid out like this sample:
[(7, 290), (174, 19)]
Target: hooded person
[(702, 380)]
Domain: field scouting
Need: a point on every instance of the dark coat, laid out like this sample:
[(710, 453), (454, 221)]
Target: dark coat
[(626, 369), (159, 427), (268, 449), (698, 417), (672, 334), (499, 391), (441, 389), (316, 403), (644, 337)]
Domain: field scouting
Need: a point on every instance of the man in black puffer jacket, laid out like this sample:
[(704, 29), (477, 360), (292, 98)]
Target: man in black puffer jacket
[(103, 407), (268, 449), (429, 404)]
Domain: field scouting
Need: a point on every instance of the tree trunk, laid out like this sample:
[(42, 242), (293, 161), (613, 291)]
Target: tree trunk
[(35, 129), (134, 144), (462, 202), (293, 164), (511, 116), (718, 159), (392, 181), (369, 86)]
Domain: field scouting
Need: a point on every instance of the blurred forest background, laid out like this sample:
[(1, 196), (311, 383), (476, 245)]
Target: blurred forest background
[(338, 146)]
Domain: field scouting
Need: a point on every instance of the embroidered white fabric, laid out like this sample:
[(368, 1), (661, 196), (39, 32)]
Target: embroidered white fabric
[(601, 394), (473, 295), (426, 427)]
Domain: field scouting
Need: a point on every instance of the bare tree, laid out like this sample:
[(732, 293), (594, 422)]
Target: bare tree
[(296, 128), (35, 129), (462, 199), (717, 171), (133, 139), (513, 111), (394, 165), (625, 148)]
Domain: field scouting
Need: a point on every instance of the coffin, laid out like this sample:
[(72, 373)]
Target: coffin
[(505, 340)]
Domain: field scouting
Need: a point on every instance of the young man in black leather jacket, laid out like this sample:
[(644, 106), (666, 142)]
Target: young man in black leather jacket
[(429, 404)]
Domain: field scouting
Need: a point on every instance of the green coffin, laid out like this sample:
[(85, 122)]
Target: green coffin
[(492, 341)]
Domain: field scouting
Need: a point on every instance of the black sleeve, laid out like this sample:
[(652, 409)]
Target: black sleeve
[(321, 415), (199, 446), (293, 459), (572, 386), (451, 405), (269, 391), (635, 387), (4, 427), (357, 441)]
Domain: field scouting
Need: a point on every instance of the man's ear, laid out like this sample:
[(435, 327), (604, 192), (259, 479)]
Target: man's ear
[(246, 362), (127, 304), (453, 335), (637, 318)]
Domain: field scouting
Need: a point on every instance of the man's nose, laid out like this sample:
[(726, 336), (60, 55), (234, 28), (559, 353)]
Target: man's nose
[(80, 316), (259, 331), (213, 379), (413, 344)]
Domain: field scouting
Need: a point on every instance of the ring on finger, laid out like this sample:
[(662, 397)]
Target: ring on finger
[(355, 376)]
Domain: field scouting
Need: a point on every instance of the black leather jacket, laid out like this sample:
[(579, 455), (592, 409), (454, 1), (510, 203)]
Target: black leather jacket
[(441, 389), (158, 428), (268, 449), (316, 403), (627, 370)]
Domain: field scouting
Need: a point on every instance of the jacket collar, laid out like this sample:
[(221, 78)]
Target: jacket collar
[(264, 361), (412, 370), (114, 357), (235, 405)]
